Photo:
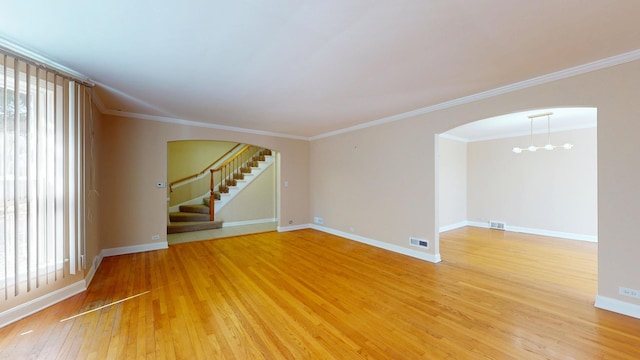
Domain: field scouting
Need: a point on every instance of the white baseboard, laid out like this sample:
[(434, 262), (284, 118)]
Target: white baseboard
[(248, 222), (134, 249), (23, 310), (121, 251), (558, 234), (454, 226), (434, 258), (292, 227), (31, 307), (617, 306), (94, 268)]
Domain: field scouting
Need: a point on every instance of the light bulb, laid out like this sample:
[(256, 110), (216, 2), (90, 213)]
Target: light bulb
[(567, 146), (517, 150), (549, 147), (532, 148)]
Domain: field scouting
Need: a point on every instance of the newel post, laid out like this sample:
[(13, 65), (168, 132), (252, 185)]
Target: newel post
[(212, 198)]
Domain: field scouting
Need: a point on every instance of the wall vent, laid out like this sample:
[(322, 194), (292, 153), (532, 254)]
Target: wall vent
[(419, 242), (497, 225)]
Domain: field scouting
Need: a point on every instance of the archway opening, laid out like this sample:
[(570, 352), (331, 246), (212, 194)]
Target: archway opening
[(487, 189), (238, 179)]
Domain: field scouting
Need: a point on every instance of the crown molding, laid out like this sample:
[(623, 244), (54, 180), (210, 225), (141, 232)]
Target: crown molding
[(176, 121), (562, 74), (23, 52), (634, 55)]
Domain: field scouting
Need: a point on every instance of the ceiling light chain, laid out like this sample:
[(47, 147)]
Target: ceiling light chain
[(548, 146)]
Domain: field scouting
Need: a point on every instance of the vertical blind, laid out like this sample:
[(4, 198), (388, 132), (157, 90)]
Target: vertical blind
[(42, 117)]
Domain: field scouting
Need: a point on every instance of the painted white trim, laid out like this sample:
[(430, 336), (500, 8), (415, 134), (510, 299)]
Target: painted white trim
[(42, 60), (248, 222), (558, 75), (94, 268), (31, 307), (454, 138), (618, 306), (558, 234), (434, 258), (558, 130), (292, 227), (562, 74), (454, 226), (177, 121), (134, 249), (23, 310)]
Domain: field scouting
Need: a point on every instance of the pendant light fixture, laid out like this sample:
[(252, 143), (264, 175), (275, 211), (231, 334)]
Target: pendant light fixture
[(548, 146)]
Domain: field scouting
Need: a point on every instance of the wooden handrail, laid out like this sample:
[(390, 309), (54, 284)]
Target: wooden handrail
[(203, 170), (232, 158), (229, 174)]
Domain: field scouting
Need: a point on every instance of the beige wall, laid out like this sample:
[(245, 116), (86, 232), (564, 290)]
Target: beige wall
[(377, 182), (452, 197), (546, 190), (386, 187), (133, 208), (257, 201), (186, 158), (94, 181), (380, 181)]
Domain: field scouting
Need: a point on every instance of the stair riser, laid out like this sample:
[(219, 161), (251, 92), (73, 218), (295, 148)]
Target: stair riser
[(196, 226), (185, 217), (197, 209)]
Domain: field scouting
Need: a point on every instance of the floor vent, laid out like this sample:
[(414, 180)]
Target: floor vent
[(419, 242), (498, 225)]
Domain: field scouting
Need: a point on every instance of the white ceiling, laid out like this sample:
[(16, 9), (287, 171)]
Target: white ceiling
[(519, 124), (306, 68)]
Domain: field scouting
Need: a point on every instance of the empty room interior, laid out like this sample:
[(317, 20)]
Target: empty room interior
[(341, 179)]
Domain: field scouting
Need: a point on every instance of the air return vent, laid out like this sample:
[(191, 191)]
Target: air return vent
[(419, 242), (498, 225)]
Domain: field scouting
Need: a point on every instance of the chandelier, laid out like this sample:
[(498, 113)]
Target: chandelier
[(548, 146)]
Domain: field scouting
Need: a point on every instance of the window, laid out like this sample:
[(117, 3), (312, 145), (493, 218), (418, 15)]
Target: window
[(41, 189)]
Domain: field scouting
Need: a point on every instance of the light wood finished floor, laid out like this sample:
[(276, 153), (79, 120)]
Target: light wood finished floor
[(179, 238), (310, 295)]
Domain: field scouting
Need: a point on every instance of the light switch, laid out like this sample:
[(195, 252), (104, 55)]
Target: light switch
[(286, 184)]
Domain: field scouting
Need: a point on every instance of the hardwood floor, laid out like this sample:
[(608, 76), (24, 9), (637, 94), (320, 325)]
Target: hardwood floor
[(311, 295)]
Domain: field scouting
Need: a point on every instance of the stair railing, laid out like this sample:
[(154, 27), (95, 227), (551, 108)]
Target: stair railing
[(200, 173), (232, 170)]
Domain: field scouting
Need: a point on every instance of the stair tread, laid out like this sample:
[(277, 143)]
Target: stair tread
[(197, 208), (196, 217), (179, 226)]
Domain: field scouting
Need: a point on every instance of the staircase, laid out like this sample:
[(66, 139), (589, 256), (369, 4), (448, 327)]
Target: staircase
[(191, 218), (194, 214)]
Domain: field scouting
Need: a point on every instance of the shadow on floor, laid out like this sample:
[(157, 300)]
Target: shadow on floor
[(221, 233)]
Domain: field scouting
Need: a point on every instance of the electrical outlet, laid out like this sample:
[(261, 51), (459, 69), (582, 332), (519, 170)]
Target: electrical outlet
[(155, 237), (318, 220), (629, 292)]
